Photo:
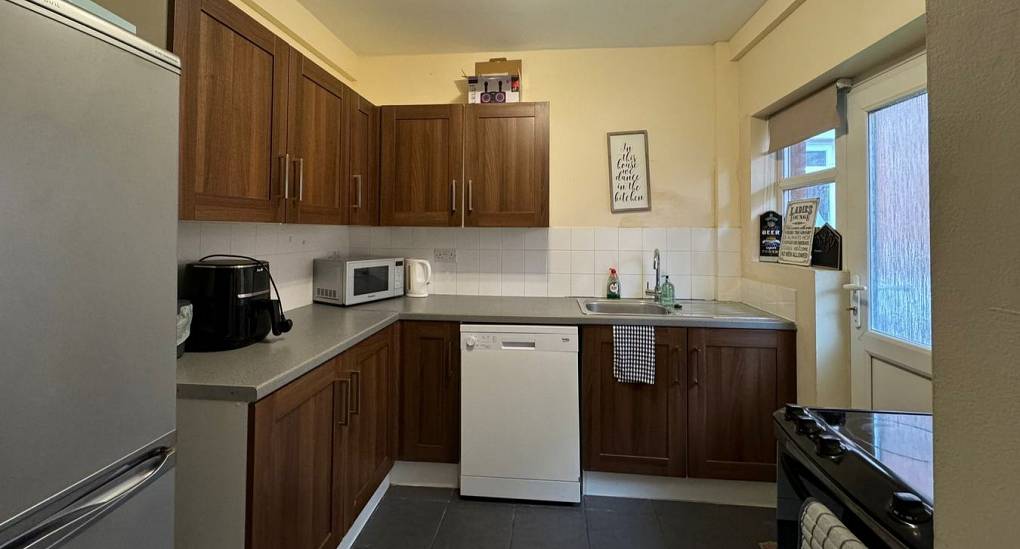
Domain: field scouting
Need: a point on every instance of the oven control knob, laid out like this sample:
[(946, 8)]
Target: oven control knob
[(808, 426), (829, 446), (792, 411), (909, 508), (470, 342)]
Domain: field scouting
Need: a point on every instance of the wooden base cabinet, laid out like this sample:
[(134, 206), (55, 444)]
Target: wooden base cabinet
[(320, 448), (633, 427), (739, 377), (430, 391), (709, 413)]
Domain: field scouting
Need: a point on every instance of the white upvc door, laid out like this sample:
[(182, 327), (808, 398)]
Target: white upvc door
[(887, 242)]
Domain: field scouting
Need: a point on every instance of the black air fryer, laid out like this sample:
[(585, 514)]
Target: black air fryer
[(233, 306)]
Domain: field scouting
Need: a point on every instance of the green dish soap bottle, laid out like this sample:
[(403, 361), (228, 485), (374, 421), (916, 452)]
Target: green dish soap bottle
[(613, 286), (667, 294)]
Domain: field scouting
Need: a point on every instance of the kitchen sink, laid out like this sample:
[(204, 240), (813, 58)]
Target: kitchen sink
[(621, 307)]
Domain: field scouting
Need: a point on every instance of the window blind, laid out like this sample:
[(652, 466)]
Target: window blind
[(816, 113)]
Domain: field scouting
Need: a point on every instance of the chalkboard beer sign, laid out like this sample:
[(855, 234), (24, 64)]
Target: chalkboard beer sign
[(770, 227)]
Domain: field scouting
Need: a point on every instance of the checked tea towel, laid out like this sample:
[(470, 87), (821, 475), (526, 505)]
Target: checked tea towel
[(634, 354)]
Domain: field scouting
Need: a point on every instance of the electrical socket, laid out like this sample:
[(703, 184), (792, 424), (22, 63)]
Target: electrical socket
[(445, 255)]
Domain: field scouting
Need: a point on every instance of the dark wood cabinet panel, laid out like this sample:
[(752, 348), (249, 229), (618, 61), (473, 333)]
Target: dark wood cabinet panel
[(421, 165), (363, 182), (294, 491), (317, 142), (233, 109), (633, 427), (737, 379), (367, 452), (430, 391), (506, 165)]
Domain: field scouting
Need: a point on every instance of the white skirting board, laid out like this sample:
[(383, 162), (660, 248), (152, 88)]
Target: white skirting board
[(724, 492), (359, 523)]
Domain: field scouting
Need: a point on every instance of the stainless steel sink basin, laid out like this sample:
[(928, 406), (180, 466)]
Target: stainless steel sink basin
[(621, 307)]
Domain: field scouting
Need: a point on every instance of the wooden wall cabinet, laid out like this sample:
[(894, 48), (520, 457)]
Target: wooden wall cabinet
[(430, 391), (234, 87), (477, 166), (506, 165), (363, 181), (738, 378), (320, 448), (317, 144), (709, 413), (263, 129), (634, 427), (422, 158)]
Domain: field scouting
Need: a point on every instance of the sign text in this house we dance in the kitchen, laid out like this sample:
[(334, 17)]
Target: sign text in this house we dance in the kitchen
[(629, 185)]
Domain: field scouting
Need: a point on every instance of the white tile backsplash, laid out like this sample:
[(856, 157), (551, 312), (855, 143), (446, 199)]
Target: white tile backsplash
[(703, 263), (288, 249)]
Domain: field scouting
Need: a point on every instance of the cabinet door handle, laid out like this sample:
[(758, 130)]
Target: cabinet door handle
[(342, 388), (471, 196), (356, 393), (693, 363), (453, 195), (285, 169), (301, 179), (358, 179)]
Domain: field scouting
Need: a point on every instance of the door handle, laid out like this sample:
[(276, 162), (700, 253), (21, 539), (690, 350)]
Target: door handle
[(453, 195), (93, 505), (356, 393), (855, 288), (358, 179), (285, 169), (343, 397), (448, 369), (301, 178), (471, 196)]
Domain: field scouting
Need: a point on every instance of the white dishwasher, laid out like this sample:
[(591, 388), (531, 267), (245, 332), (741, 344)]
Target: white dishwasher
[(520, 434)]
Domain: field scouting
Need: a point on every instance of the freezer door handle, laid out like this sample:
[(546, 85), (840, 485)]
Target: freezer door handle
[(132, 478)]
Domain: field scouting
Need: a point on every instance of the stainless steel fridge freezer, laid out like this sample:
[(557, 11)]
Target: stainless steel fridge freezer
[(88, 224)]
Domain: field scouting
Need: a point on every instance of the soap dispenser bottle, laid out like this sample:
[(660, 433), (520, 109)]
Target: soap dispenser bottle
[(613, 285), (667, 294)]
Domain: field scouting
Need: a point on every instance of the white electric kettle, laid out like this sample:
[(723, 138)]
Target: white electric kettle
[(419, 275)]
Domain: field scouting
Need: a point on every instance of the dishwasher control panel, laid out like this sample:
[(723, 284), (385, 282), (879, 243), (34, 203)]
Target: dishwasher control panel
[(518, 338)]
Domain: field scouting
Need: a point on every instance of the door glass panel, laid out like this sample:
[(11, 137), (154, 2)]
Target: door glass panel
[(900, 251)]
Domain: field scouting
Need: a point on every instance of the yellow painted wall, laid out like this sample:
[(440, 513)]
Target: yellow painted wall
[(817, 36), (302, 30), (668, 91)]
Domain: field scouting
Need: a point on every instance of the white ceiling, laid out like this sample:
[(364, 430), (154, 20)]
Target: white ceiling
[(381, 27)]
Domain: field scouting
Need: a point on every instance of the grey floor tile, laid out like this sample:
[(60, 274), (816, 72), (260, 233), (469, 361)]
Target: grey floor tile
[(475, 525), (420, 493), (615, 530), (549, 527), (619, 505), (402, 524), (701, 525)]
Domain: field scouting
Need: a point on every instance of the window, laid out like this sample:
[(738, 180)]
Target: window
[(808, 170)]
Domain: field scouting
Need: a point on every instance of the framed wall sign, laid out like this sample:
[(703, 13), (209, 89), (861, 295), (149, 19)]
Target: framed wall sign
[(629, 186), (798, 232)]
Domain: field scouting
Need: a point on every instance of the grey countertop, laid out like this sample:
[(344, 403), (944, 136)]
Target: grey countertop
[(323, 331)]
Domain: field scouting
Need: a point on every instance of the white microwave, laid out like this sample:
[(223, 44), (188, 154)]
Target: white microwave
[(353, 280)]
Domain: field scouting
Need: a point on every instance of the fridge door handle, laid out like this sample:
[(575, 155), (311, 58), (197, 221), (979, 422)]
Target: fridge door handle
[(132, 479)]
